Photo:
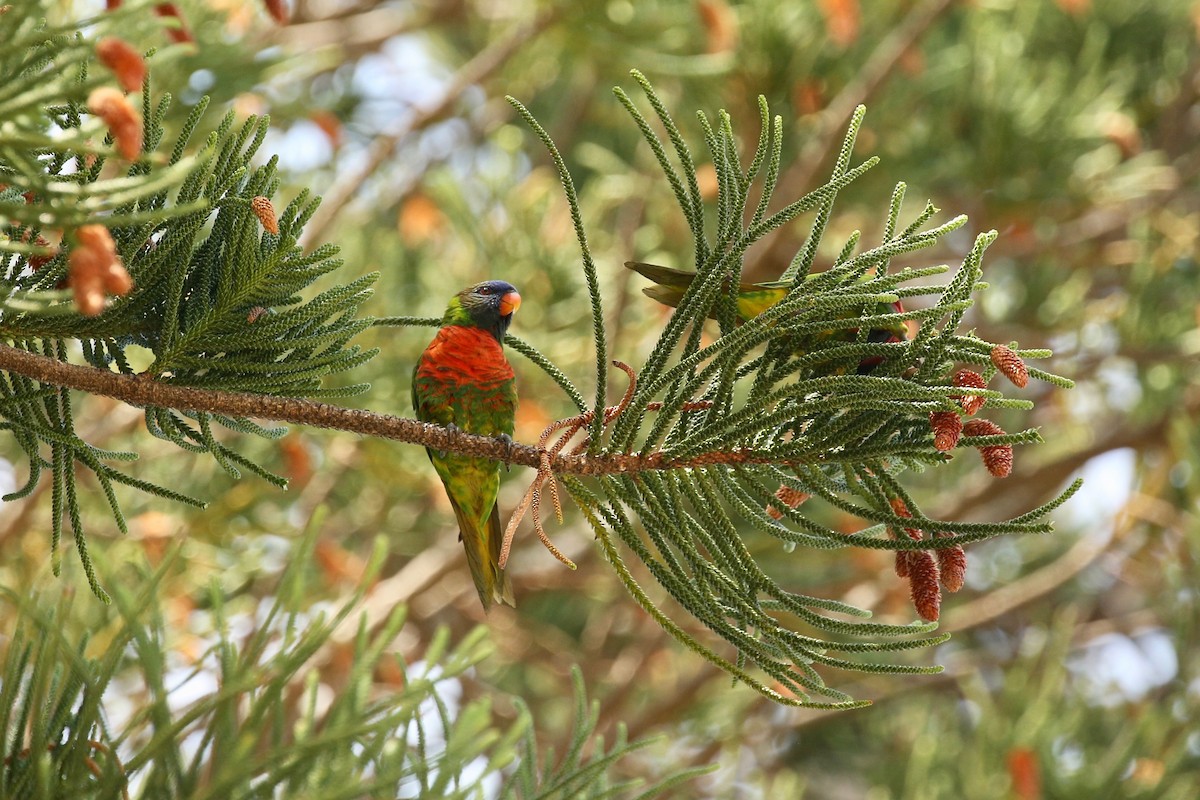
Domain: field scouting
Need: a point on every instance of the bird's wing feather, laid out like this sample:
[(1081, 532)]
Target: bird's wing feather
[(670, 284)]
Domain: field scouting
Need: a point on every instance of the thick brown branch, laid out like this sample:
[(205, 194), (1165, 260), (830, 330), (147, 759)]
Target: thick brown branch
[(143, 392)]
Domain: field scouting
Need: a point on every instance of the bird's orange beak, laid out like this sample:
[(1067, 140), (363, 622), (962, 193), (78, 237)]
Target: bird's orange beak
[(509, 303)]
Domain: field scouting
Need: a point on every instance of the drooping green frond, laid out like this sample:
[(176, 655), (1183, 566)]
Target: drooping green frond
[(804, 399), (589, 272)]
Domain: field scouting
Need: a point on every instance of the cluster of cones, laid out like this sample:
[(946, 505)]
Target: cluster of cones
[(95, 269), (948, 426), (929, 572), (925, 570)]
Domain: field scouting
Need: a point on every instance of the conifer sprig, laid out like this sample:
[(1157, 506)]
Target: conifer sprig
[(589, 272), (216, 286), (696, 456), (788, 386)]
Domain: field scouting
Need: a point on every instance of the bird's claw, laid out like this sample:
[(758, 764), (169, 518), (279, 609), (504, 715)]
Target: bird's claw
[(507, 441), (453, 431)]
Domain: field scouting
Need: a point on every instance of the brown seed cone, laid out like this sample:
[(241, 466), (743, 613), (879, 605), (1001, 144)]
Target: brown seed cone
[(1011, 365), (923, 584), (124, 62), (903, 557), (278, 10), (116, 278), (95, 268), (87, 285), (37, 262), (790, 497), (901, 510), (982, 427), (720, 24), (180, 34), (952, 566), (265, 211), (998, 458), (967, 378), (97, 239), (947, 427)]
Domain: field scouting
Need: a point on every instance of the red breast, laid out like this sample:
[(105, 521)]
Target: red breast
[(470, 355)]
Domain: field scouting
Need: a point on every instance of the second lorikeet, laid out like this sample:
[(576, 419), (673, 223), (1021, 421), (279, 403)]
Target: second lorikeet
[(463, 379), (755, 298)]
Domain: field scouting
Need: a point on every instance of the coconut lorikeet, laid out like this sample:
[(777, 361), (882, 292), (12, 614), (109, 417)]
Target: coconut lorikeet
[(755, 298), (463, 379)]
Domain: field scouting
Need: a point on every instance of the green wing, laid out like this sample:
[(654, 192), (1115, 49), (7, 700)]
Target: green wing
[(670, 284)]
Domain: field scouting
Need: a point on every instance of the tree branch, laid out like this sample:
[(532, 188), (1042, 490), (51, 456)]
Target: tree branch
[(143, 391)]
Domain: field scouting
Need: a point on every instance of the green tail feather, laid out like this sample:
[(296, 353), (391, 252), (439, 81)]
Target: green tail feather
[(483, 555)]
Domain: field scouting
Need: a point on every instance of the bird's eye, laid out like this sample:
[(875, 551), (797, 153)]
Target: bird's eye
[(484, 290)]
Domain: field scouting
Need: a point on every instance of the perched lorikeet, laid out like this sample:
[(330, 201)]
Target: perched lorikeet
[(755, 298), (463, 379)]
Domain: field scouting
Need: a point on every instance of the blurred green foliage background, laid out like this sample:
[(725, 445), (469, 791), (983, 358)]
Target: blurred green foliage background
[(1068, 126)]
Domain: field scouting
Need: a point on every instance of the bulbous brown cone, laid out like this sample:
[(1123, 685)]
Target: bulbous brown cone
[(790, 497), (86, 284), (278, 10), (95, 268), (1010, 365), (181, 34), (97, 239), (947, 427), (923, 584), (123, 61), (39, 261), (982, 427), (903, 557), (265, 211), (952, 566), (124, 122), (968, 378), (998, 458)]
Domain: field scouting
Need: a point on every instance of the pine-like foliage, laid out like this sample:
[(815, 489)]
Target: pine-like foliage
[(693, 457), (218, 300), (778, 402), (69, 730)]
